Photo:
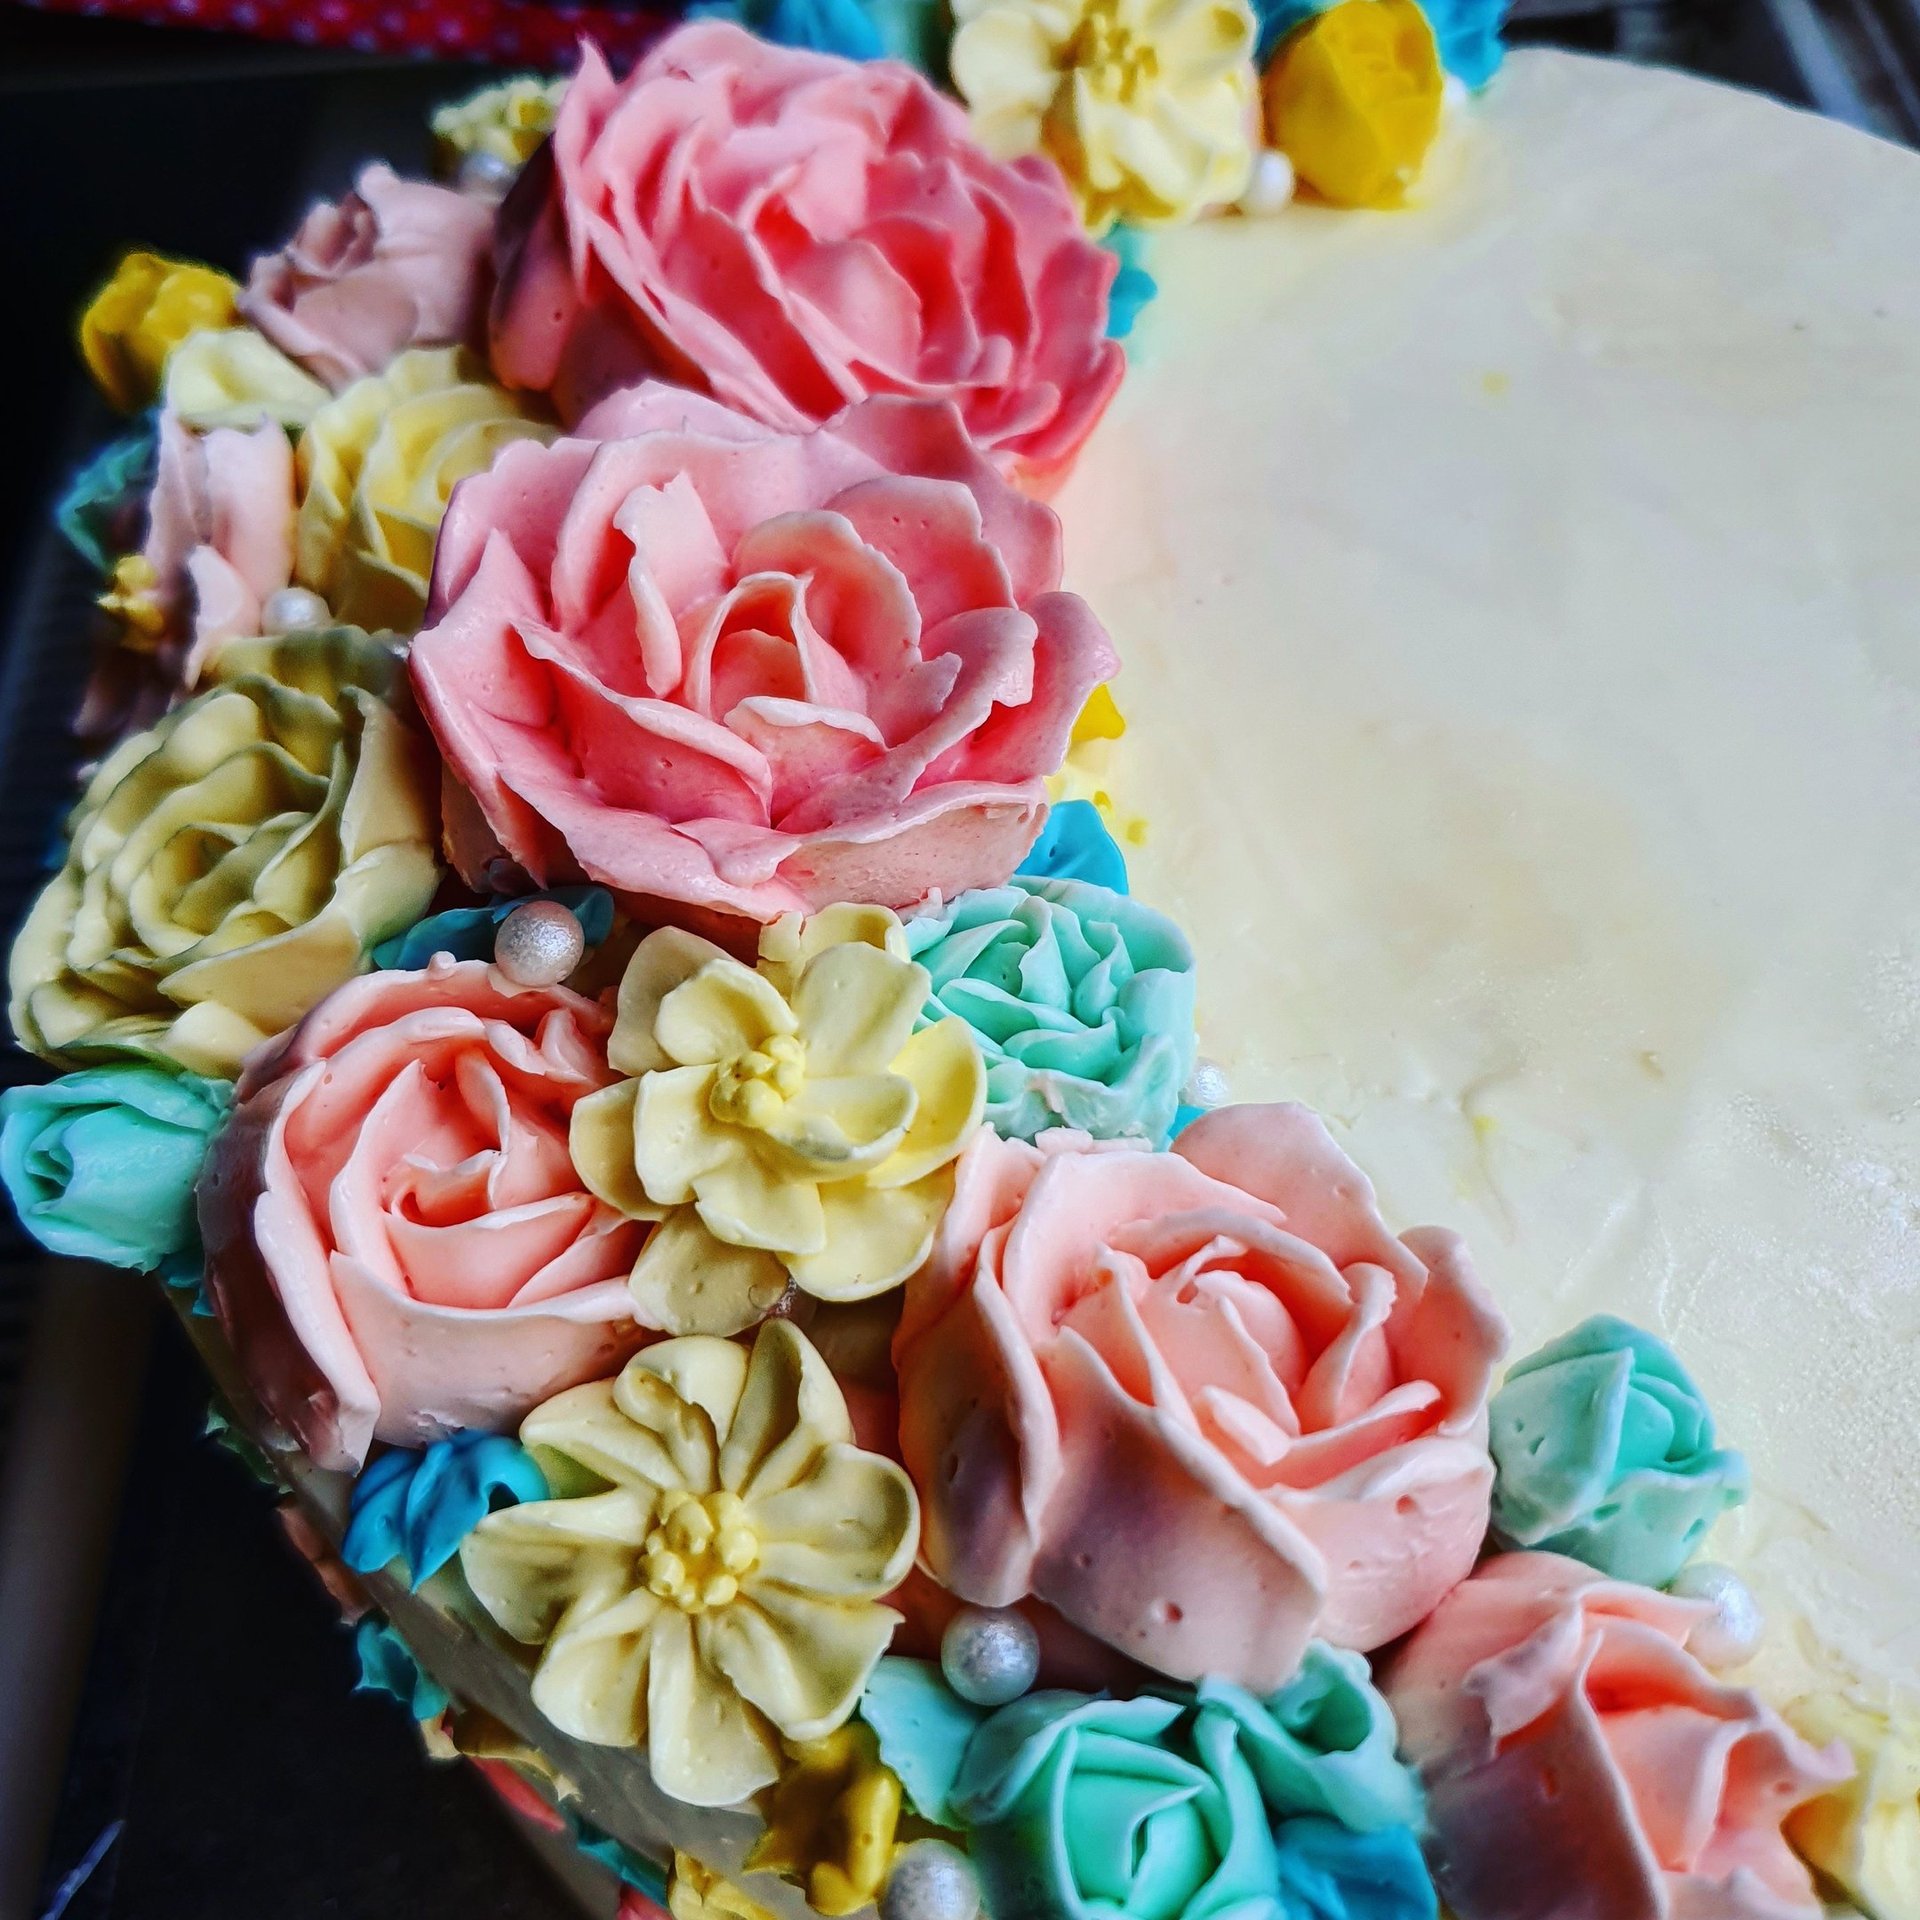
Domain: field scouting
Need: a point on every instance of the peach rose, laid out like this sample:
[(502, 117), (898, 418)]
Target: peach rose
[(397, 263), (1568, 1740), (793, 231), (1201, 1402), (726, 668), (397, 1243)]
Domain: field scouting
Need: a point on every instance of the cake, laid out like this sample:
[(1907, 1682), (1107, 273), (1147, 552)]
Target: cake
[(987, 1122)]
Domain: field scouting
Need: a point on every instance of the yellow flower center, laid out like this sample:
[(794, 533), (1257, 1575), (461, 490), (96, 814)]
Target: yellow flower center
[(695, 1557), (1116, 61), (751, 1087)]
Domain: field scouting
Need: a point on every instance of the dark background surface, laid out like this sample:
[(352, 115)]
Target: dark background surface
[(217, 1726)]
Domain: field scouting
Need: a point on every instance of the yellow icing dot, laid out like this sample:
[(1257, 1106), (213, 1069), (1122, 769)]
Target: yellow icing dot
[(1353, 100), (1100, 718)]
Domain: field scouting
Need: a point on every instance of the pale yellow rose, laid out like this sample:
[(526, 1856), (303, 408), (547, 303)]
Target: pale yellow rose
[(1147, 106), (231, 865), (376, 466), (507, 121), (235, 377), (720, 1589), (1865, 1834), (784, 1124)]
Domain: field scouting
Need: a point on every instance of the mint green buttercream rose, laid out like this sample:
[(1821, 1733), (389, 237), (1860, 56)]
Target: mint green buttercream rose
[(101, 1164), (1177, 1805), (1604, 1451), (1081, 1000)]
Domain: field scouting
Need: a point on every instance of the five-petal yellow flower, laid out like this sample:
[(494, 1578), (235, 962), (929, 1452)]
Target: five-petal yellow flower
[(781, 1124), (721, 1590)]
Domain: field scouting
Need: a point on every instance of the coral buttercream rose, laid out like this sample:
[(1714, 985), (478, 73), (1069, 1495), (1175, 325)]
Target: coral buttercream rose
[(721, 667), (1201, 1402), (397, 1243), (396, 263), (1578, 1758), (793, 231)]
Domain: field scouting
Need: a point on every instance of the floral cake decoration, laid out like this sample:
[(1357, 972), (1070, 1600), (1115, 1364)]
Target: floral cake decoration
[(596, 961)]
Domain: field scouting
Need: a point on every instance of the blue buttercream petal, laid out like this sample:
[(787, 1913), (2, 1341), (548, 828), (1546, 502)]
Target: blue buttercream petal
[(923, 1727), (418, 1507), (468, 932), (915, 31), (98, 514), (1133, 286), (1329, 1872), (387, 1665), (1075, 845)]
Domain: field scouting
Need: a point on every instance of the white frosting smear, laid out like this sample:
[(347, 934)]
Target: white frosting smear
[(1519, 599)]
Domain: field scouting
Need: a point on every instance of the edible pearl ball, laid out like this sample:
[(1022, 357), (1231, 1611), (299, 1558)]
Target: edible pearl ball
[(931, 1881), (990, 1655), (294, 610), (1730, 1635), (1207, 1085), (485, 174), (538, 944), (1271, 186)]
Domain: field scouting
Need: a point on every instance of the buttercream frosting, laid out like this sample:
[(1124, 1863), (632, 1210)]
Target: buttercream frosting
[(236, 377), (1864, 1834), (417, 1507), (148, 306)]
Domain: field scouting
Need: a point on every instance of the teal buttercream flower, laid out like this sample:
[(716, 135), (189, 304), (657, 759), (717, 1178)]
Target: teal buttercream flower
[(418, 1507), (1081, 1000), (387, 1665), (1604, 1451), (1133, 286), (634, 1869), (1466, 32), (468, 932), (101, 1164), (1075, 845), (1178, 1805), (916, 31), (100, 512)]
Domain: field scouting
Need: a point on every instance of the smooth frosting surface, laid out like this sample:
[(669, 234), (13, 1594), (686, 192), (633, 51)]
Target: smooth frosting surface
[(1550, 549)]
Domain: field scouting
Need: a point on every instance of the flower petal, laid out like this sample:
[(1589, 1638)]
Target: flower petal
[(849, 1529), (748, 1204), (704, 1372), (723, 1010), (790, 1408), (529, 1564), (686, 1281), (801, 1659), (600, 1142), (856, 1006), (664, 960), (592, 1681), (705, 1744), (836, 1127), (675, 1136), (876, 1236), (632, 1443), (943, 1062)]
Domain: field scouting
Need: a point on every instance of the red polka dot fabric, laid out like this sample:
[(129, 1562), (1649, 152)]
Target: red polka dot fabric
[(510, 32)]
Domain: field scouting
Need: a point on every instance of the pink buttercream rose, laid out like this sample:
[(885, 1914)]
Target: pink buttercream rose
[(397, 1243), (1202, 1402), (1579, 1761), (731, 670), (793, 231), (397, 263)]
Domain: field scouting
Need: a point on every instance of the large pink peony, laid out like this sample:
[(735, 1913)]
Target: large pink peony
[(793, 231), (397, 263), (720, 667), (1578, 1759), (1201, 1402), (397, 1243)]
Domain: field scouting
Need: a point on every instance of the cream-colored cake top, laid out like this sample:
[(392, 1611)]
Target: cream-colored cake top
[(1519, 603)]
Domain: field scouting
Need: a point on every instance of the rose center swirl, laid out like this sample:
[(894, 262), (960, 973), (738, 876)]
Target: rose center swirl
[(696, 1554), (752, 1087)]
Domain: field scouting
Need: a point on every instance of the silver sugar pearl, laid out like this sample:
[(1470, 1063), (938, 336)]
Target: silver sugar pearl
[(990, 1655), (1730, 1635), (538, 944), (485, 175), (931, 1880), (1270, 186), (1207, 1085), (294, 610)]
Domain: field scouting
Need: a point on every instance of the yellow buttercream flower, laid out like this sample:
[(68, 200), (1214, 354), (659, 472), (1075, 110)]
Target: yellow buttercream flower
[(1865, 1834), (235, 377), (784, 1123), (377, 464), (149, 306), (832, 1820), (231, 865), (507, 121), (1353, 100), (720, 1591), (696, 1892), (1147, 106)]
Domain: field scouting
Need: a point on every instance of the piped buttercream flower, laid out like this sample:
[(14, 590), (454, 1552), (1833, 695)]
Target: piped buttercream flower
[(866, 245), (831, 1821), (1605, 1452), (396, 263), (377, 465), (722, 1590), (230, 866), (1864, 1835), (782, 1124), (141, 315), (1081, 1000), (1147, 107), (506, 121), (1202, 1402), (235, 377), (398, 1246), (746, 672), (1567, 1739)]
